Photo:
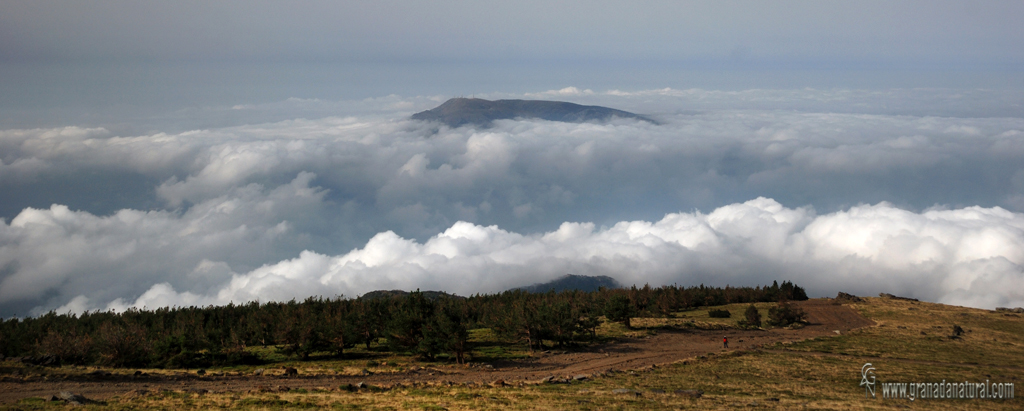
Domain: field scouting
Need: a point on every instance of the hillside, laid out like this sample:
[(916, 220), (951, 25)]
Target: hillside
[(479, 112), (662, 363)]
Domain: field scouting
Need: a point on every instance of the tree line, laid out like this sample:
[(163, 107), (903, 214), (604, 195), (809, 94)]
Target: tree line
[(430, 325)]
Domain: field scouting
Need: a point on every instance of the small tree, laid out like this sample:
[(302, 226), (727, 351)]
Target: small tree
[(753, 317), (619, 309), (446, 331)]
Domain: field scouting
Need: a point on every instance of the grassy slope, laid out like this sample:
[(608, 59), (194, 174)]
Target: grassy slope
[(909, 344)]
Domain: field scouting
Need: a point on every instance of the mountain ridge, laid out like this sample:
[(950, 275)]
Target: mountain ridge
[(573, 282), (461, 111)]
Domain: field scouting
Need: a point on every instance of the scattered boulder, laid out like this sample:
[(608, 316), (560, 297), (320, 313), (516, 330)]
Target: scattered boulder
[(42, 360), (957, 332), (896, 297), (258, 371), (1018, 310), (71, 398), (848, 298), (627, 392), (580, 377)]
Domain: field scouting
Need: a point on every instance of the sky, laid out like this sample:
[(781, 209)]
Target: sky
[(194, 153)]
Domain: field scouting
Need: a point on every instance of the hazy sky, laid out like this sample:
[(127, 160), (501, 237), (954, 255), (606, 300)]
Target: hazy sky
[(168, 153)]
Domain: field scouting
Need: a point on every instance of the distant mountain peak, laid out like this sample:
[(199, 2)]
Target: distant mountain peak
[(574, 282), (460, 111)]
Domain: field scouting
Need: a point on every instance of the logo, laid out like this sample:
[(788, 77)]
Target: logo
[(867, 379)]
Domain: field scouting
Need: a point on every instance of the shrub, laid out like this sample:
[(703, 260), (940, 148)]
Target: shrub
[(70, 347), (123, 345), (719, 314), (785, 314)]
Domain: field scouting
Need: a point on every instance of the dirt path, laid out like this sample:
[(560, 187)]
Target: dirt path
[(666, 347)]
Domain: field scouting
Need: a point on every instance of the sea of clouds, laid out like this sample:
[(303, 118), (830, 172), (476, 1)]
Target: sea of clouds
[(912, 192)]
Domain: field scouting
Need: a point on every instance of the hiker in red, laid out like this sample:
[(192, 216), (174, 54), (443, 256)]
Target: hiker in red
[(725, 342)]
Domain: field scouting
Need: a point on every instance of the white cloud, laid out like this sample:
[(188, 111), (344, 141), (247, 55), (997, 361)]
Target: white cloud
[(222, 202), (965, 256)]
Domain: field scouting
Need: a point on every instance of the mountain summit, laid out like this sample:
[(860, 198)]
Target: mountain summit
[(461, 111)]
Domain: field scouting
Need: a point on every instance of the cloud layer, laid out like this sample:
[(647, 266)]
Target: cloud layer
[(906, 191)]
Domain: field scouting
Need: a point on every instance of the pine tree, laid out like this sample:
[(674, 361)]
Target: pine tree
[(753, 317)]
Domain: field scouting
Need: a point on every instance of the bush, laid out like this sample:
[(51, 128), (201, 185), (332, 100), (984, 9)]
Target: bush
[(785, 314), (70, 347), (123, 345), (719, 314)]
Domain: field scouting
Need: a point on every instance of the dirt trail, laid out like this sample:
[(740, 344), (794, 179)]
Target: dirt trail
[(667, 347)]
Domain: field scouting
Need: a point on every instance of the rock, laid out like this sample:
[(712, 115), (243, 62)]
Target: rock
[(773, 399), (137, 373), (1018, 310), (291, 372), (894, 297), (656, 391), (498, 383), (72, 398), (361, 385), (42, 360), (690, 393), (837, 332), (957, 331), (281, 388), (201, 372), (258, 371), (848, 298), (199, 391), (547, 379), (627, 392), (580, 377)]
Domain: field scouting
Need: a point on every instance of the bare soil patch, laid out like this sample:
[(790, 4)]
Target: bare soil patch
[(666, 347)]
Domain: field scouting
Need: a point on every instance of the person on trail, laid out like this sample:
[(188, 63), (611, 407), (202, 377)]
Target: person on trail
[(725, 342)]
